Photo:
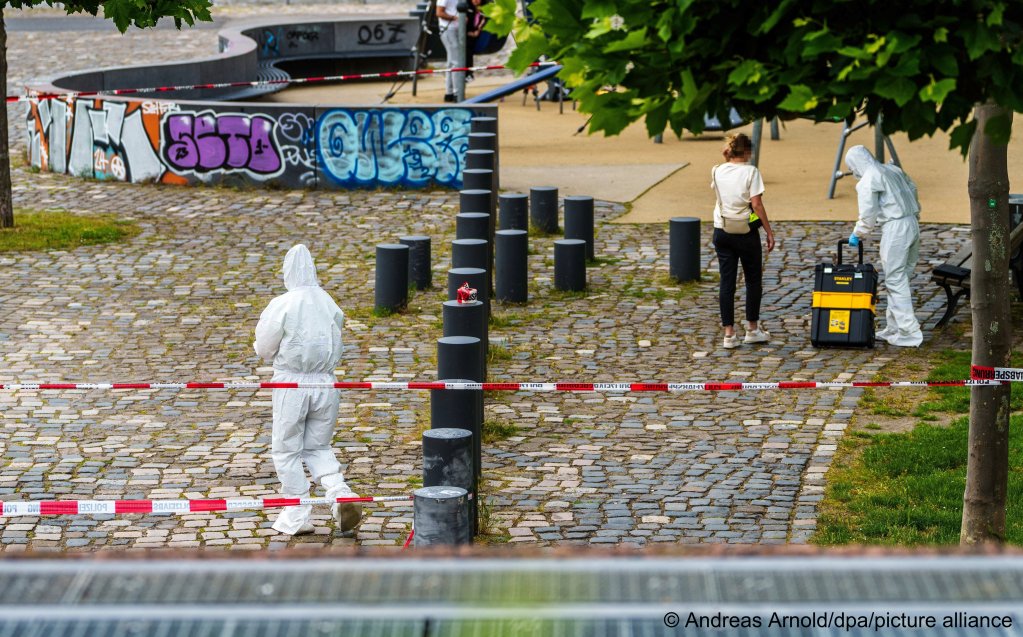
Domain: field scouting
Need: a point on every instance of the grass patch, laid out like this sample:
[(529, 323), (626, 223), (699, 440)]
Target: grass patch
[(907, 489), (953, 365), (60, 230), (498, 353), (496, 430)]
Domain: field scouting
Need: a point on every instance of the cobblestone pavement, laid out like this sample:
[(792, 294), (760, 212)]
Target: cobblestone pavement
[(180, 302)]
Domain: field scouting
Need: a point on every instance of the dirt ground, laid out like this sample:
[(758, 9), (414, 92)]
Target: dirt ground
[(542, 147)]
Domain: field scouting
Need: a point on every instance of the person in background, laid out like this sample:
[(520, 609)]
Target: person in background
[(474, 29), (738, 215), (300, 332), (887, 197), (447, 16)]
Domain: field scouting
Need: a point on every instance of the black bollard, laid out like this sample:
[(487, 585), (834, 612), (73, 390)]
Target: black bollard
[(447, 462), (391, 292), (477, 179), (441, 516), (487, 124), (482, 140), (476, 278), (419, 273), (579, 221), (543, 208), (470, 253), (476, 201), (472, 225), (570, 265), (485, 159), (460, 357), (459, 408), (512, 266), (684, 250), (514, 211), (467, 319)]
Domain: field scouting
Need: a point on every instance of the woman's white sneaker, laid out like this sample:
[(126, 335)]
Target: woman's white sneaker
[(731, 342), (756, 336)]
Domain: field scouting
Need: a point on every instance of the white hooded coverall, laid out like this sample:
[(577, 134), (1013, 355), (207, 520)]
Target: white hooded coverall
[(300, 331), (887, 197)]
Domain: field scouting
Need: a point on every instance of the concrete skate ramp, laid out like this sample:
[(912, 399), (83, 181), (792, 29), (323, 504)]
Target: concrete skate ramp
[(214, 135)]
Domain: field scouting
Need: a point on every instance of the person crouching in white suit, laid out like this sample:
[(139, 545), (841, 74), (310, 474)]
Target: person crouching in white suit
[(300, 332), (887, 197)]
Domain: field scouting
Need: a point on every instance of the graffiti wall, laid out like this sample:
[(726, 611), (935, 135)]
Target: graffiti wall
[(166, 142)]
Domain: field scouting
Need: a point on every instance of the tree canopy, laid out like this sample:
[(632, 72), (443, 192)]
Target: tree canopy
[(921, 64), (125, 13)]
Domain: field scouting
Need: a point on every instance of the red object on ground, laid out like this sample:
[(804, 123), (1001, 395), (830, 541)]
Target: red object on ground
[(466, 294)]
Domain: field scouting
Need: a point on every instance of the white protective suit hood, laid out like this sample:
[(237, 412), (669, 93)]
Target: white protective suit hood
[(859, 160), (300, 331), (299, 270)]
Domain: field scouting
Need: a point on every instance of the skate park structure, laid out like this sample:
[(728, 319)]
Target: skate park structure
[(218, 135)]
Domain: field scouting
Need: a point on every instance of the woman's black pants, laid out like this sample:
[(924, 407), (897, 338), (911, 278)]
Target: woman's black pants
[(733, 249)]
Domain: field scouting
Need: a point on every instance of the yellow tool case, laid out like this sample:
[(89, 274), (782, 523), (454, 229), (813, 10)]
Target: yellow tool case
[(844, 299)]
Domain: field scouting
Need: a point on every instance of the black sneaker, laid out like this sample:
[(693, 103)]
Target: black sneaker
[(450, 97)]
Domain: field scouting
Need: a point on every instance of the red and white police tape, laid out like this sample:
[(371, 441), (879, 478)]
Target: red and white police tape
[(299, 80), (95, 507), (997, 374), (538, 387)]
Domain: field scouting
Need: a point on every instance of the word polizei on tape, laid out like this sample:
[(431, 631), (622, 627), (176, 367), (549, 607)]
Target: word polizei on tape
[(96, 507), (1004, 374)]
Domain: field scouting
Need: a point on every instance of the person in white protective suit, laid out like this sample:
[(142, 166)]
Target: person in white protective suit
[(300, 332), (888, 198)]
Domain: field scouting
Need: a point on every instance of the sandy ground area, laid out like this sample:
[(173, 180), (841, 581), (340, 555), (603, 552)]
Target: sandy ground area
[(542, 147)]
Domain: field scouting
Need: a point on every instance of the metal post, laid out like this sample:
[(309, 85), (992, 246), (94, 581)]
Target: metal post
[(419, 273), (441, 516), (447, 462), (514, 211), (775, 133), (512, 266), (543, 208), (459, 83), (391, 291), (579, 221), (684, 251), (758, 133), (570, 265)]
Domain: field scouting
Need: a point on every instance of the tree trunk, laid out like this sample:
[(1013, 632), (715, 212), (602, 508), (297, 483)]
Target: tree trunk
[(6, 202), (988, 463)]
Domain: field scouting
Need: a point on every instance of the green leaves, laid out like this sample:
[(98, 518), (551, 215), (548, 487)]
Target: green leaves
[(501, 14), (125, 13), (899, 89), (937, 91), (800, 99)]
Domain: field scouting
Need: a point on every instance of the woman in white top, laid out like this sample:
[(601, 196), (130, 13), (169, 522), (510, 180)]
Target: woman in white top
[(739, 189)]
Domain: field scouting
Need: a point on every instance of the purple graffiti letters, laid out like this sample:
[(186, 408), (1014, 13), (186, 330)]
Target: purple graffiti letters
[(207, 142)]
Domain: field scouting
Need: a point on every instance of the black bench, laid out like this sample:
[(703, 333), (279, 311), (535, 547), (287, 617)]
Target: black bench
[(953, 275)]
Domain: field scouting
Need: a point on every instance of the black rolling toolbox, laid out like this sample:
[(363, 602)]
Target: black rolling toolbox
[(844, 299)]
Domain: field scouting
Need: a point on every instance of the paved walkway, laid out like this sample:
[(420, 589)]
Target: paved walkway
[(181, 300)]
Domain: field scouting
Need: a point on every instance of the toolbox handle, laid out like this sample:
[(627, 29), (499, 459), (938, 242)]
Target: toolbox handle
[(845, 242)]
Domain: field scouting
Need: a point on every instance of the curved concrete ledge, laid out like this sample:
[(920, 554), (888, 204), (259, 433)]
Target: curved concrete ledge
[(201, 136)]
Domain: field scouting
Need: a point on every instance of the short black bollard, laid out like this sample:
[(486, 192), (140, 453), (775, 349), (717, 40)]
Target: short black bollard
[(459, 408), (447, 462), (475, 201), (485, 159), (419, 273), (543, 208), (391, 292), (514, 211), (477, 179), (460, 357), (441, 516), (684, 249), (472, 225), (467, 319), (482, 140), (579, 221), (470, 253), (570, 265), (512, 266), (476, 278)]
